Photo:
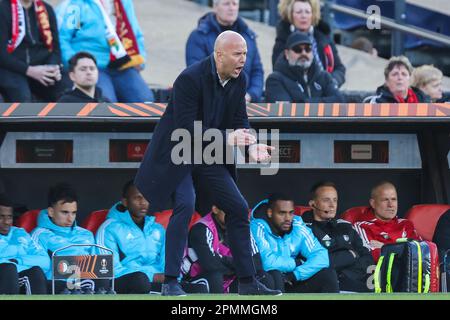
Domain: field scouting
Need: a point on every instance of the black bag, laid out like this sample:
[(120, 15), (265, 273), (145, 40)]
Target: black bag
[(407, 266)]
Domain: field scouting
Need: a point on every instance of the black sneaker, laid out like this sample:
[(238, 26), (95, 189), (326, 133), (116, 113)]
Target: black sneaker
[(256, 288), (111, 291), (172, 289)]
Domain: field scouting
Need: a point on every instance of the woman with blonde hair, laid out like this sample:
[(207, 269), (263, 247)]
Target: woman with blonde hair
[(304, 16), (428, 79)]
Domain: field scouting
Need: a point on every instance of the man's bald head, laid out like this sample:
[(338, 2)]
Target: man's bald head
[(226, 38)]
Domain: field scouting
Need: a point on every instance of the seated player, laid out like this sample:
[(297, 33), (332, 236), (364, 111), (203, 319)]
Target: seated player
[(57, 228), (290, 252), (210, 255), (138, 243), (22, 262)]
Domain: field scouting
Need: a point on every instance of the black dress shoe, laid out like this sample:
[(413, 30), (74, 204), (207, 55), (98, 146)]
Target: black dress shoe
[(101, 290), (77, 291), (172, 289), (66, 291), (88, 291), (256, 288)]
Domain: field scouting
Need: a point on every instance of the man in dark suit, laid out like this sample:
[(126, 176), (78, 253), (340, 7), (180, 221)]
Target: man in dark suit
[(211, 91)]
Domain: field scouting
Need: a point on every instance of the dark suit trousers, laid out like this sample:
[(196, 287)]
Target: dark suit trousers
[(225, 195)]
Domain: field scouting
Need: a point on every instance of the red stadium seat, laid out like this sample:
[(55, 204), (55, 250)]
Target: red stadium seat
[(357, 214), (425, 217), (28, 220), (300, 210), (163, 218), (93, 221)]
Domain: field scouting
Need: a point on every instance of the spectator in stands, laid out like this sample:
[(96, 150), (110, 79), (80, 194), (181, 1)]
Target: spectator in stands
[(364, 44), (22, 262), (209, 255), (386, 227), (224, 17), (83, 72), (348, 256), (57, 228), (442, 234), (396, 88), (304, 16), (297, 76), (120, 51), (290, 253), (138, 243), (429, 79), (30, 55)]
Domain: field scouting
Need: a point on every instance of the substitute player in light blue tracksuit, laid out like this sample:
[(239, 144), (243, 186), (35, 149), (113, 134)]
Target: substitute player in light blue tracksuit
[(22, 262), (138, 243), (56, 228), (290, 252), (138, 246)]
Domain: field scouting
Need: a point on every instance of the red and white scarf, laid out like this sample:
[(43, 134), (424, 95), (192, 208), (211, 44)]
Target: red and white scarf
[(18, 25), (124, 50)]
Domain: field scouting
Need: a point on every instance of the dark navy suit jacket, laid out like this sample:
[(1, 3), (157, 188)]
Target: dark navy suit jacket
[(194, 97)]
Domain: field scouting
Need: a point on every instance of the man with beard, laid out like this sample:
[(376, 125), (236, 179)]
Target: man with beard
[(297, 77), (290, 253)]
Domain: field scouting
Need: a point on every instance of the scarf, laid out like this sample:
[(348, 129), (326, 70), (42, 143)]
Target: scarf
[(124, 51), (410, 98), (18, 25)]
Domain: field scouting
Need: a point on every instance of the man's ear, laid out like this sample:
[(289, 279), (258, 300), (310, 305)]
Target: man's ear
[(286, 51), (214, 209), (72, 77), (311, 203), (124, 202), (269, 212), (51, 212), (372, 203)]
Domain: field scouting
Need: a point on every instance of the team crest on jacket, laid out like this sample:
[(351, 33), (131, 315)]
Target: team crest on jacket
[(346, 237), (384, 235), (317, 86), (326, 240)]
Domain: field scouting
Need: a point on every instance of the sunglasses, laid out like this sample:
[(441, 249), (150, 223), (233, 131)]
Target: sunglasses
[(300, 49)]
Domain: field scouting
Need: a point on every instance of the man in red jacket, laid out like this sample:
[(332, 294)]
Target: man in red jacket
[(386, 227)]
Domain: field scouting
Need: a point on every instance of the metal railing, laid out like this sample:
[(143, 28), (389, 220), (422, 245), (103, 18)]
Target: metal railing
[(398, 25)]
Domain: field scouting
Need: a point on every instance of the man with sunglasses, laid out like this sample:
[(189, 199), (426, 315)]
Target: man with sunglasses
[(297, 77)]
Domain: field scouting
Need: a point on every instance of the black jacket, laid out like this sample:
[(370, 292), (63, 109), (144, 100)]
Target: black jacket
[(384, 95), (76, 95), (339, 237), (324, 44), (32, 50), (442, 234), (196, 95), (287, 83)]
